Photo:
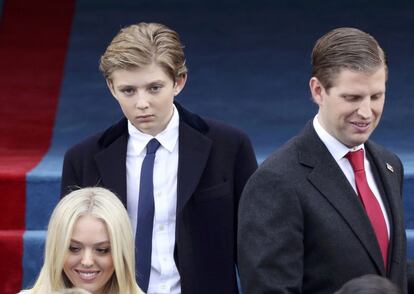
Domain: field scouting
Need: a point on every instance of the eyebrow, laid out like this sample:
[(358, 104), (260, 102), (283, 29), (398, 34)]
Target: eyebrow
[(95, 244), (147, 84), (360, 95), (349, 94)]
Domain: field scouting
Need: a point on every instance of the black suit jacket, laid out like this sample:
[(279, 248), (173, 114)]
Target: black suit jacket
[(302, 228), (214, 163)]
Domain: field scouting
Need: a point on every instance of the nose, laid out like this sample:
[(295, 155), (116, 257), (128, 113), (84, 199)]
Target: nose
[(141, 101), (364, 108), (87, 259)]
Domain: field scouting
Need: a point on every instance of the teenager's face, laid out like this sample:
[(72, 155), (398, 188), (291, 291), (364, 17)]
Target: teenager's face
[(351, 110), (89, 263), (146, 96)]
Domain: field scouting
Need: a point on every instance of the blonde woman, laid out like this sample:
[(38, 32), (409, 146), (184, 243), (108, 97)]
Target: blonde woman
[(89, 245)]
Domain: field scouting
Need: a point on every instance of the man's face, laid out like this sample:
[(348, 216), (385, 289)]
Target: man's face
[(146, 96), (352, 108)]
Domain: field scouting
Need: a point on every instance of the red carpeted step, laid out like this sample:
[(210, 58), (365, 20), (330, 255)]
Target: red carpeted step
[(33, 44), (11, 254)]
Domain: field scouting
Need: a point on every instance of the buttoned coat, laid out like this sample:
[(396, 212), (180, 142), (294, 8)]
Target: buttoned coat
[(302, 227), (214, 163)]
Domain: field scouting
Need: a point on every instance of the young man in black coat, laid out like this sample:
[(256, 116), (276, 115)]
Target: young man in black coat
[(199, 171)]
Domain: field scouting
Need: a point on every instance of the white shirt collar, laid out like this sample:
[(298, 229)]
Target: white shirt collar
[(167, 138), (336, 148)]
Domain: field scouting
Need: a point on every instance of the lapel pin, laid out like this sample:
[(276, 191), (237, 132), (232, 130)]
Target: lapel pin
[(390, 168)]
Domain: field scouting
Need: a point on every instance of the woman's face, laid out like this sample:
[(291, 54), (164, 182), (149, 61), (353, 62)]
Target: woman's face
[(89, 263)]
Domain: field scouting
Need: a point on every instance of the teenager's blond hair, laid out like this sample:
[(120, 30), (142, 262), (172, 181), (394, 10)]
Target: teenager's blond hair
[(141, 45)]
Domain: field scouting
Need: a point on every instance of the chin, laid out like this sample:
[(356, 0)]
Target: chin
[(356, 143), (90, 288)]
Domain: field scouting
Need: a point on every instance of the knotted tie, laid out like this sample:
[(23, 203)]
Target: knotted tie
[(369, 201), (143, 237)]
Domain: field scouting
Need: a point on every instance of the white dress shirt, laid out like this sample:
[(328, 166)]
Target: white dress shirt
[(338, 151), (164, 277)]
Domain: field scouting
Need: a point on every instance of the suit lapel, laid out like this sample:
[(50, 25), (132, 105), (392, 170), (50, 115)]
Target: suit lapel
[(389, 182), (386, 178), (379, 182), (330, 181), (111, 162), (194, 150)]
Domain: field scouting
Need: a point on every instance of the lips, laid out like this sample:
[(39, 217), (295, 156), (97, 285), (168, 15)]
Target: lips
[(144, 118), (361, 126)]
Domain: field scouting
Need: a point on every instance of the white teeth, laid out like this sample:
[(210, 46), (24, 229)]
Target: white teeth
[(361, 124), (88, 275)]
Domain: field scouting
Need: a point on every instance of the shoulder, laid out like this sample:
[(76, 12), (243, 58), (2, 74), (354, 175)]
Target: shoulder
[(379, 149), (87, 143), (285, 157), (301, 152), (213, 129), (221, 129), (100, 140), (387, 162), (381, 153), (277, 171), (83, 151)]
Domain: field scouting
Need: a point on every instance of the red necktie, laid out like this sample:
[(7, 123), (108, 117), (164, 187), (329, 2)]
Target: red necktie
[(369, 201)]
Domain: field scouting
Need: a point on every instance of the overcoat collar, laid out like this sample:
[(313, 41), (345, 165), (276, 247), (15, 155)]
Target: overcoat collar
[(194, 149)]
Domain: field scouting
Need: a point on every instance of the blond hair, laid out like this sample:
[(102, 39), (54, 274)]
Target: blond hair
[(143, 44), (104, 205), (72, 291)]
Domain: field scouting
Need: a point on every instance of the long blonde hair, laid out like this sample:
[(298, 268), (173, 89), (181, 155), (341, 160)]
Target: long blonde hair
[(104, 205)]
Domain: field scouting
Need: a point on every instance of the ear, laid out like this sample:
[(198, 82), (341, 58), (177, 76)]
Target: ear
[(111, 87), (317, 90), (179, 84)]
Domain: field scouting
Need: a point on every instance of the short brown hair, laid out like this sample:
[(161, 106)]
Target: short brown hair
[(142, 44), (345, 48)]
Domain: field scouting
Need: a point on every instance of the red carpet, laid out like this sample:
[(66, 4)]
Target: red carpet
[(11, 255), (33, 42)]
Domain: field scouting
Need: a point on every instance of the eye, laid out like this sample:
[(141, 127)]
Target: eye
[(103, 250), (74, 249), (155, 88), (128, 91), (352, 97), (376, 96)]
